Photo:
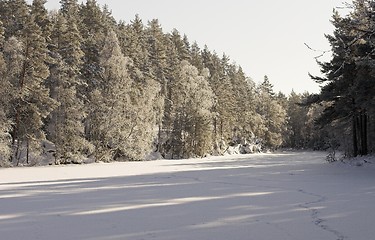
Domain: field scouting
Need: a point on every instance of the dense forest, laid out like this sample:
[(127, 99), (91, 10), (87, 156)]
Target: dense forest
[(80, 84)]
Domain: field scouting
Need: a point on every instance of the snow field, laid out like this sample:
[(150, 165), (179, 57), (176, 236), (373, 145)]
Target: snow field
[(289, 196)]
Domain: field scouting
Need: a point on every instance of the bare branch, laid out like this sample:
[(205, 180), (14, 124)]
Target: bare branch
[(322, 52)]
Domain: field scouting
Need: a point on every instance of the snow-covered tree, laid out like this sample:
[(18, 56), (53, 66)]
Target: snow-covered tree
[(121, 119), (297, 134), (42, 18), (5, 123), (192, 100), (26, 59), (14, 15), (93, 27), (273, 116), (66, 125), (70, 9)]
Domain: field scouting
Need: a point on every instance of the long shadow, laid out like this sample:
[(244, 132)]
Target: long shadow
[(237, 199)]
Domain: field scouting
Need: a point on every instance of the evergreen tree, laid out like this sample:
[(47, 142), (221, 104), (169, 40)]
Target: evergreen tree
[(297, 132), (93, 28), (171, 76), (273, 117), (41, 17), (267, 86), (159, 68), (157, 51), (244, 108), (14, 15), (196, 57), (66, 125), (5, 123), (70, 10), (348, 82), (226, 100), (181, 44), (32, 103), (136, 49)]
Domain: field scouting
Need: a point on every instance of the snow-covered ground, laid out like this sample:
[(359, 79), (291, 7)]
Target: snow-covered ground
[(289, 196)]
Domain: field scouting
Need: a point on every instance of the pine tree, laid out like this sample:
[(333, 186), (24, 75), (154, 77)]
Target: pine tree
[(225, 105), (267, 86), (244, 93), (14, 15), (93, 28), (41, 17), (5, 123), (196, 57), (348, 81), (70, 10), (136, 49), (159, 68), (181, 44), (32, 103), (171, 76), (273, 117), (66, 125), (297, 131), (157, 51)]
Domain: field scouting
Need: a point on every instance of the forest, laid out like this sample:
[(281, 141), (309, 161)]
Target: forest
[(80, 84)]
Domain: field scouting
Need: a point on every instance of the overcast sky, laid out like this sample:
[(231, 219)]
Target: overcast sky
[(264, 37)]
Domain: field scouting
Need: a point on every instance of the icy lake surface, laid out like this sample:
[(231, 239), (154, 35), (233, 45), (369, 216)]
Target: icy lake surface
[(290, 196)]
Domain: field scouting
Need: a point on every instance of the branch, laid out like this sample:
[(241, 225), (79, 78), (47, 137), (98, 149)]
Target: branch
[(322, 53)]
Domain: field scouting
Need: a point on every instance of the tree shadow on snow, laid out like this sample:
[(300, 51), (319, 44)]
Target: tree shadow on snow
[(218, 200)]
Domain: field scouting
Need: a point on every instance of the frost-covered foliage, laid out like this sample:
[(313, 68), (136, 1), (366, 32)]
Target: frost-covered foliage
[(111, 112), (106, 90), (193, 100), (273, 116), (5, 124), (66, 126), (122, 112)]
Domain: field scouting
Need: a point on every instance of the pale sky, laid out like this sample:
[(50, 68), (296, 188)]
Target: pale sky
[(264, 37)]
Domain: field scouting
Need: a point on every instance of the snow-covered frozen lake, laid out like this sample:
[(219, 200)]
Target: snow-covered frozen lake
[(289, 196)]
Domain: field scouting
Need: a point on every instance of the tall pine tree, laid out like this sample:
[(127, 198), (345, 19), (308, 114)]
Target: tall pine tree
[(32, 104), (67, 121)]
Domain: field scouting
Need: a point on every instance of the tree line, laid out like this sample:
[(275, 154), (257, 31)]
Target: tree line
[(92, 86)]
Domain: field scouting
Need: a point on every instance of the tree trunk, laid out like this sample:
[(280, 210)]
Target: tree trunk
[(158, 147), (364, 134), (27, 151), (354, 132)]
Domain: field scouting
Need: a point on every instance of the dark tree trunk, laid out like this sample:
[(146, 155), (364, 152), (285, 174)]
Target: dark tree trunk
[(27, 152), (364, 134), (354, 132)]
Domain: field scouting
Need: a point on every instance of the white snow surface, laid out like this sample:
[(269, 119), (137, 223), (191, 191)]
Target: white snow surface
[(288, 195)]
